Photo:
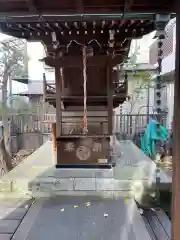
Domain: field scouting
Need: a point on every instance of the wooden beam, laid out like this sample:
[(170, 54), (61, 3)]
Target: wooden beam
[(9, 8), (54, 146), (176, 138), (80, 35), (79, 6), (32, 7), (102, 37), (110, 97), (74, 62), (58, 78), (44, 86)]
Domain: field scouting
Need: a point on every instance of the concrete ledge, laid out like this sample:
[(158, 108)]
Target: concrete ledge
[(41, 183), (81, 184), (6, 186), (85, 184), (112, 185), (63, 184), (83, 173), (103, 194), (51, 184)]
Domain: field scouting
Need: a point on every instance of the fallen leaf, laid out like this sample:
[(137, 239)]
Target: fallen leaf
[(126, 200), (88, 204)]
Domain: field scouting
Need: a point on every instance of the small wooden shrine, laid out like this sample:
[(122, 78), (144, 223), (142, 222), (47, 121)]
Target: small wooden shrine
[(87, 43)]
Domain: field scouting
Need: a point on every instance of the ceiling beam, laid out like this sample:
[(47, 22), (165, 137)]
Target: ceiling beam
[(32, 7), (79, 6), (18, 17), (76, 61)]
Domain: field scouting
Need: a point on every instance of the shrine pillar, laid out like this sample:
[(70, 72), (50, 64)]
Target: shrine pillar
[(58, 81), (110, 99)]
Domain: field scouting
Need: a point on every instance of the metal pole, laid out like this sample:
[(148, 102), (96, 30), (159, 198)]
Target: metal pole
[(176, 138), (148, 96)]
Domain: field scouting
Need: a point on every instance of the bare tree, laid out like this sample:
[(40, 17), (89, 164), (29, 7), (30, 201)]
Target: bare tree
[(142, 76), (138, 93), (13, 57)]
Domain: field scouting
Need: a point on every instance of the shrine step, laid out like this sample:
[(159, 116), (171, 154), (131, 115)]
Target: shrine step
[(86, 166), (83, 173), (84, 186)]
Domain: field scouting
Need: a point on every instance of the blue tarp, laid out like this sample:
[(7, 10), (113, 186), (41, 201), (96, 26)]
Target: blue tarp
[(154, 133)]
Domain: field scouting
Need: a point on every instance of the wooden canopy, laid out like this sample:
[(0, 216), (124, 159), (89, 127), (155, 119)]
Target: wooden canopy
[(83, 21), (95, 33), (54, 7)]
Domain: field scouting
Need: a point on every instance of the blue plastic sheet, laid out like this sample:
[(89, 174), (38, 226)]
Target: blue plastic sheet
[(154, 133)]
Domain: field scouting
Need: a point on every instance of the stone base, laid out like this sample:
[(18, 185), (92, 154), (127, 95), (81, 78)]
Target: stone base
[(83, 173), (101, 194), (100, 165), (86, 186)]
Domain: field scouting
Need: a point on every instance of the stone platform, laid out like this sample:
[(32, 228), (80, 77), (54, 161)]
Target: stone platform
[(96, 197), (36, 175)]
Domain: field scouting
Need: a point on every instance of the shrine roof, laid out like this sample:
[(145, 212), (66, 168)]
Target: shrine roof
[(85, 21), (54, 7), (80, 19), (89, 31)]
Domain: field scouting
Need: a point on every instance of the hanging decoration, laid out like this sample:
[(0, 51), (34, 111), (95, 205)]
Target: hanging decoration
[(84, 54), (159, 77), (85, 129)]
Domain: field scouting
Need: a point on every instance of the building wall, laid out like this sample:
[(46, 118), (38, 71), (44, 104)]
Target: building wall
[(141, 47), (138, 93), (36, 68), (170, 104)]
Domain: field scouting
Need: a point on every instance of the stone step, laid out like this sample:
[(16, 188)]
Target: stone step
[(86, 186), (80, 184), (82, 173), (90, 194), (21, 184)]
